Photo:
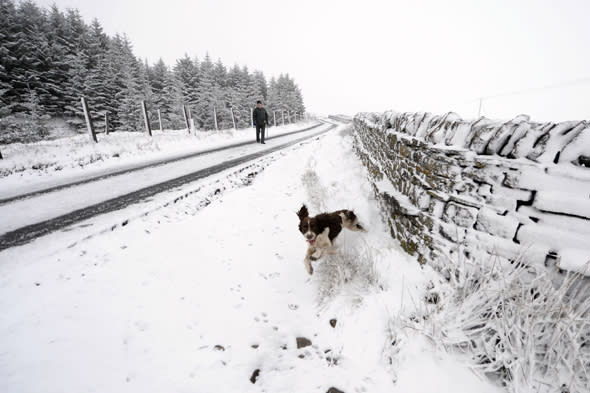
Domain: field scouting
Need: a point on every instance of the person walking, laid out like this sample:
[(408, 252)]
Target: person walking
[(260, 117)]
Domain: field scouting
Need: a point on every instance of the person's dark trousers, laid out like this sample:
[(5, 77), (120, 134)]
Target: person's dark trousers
[(260, 133)]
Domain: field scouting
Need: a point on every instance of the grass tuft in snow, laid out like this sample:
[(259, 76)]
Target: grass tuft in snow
[(519, 325)]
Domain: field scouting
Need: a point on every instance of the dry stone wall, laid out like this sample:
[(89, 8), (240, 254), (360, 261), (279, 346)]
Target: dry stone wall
[(482, 189)]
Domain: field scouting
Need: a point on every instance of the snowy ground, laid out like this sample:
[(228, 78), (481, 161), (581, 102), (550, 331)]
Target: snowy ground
[(196, 296)]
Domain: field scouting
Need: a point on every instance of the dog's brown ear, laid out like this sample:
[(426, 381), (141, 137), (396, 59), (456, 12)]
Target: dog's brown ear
[(302, 213)]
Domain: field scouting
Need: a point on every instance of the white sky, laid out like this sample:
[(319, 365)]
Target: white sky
[(350, 56)]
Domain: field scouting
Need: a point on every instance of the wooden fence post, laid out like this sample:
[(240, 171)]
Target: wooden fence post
[(148, 127), (215, 118), (289, 117), (185, 113), (274, 116), (252, 117), (231, 109), (160, 120), (106, 123), (88, 119), (283, 115)]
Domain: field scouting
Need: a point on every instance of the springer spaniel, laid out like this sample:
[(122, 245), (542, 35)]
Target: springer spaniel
[(321, 230)]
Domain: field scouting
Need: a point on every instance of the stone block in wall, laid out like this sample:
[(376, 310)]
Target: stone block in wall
[(518, 133), (574, 260), (506, 198), (457, 135), (537, 178), (566, 202), (532, 254), (482, 133), (531, 135), (437, 203), (484, 190), (578, 150), (500, 137), (466, 186), (491, 222), (547, 149), (421, 199), (580, 226), (484, 172), (467, 200), (452, 232), (498, 256), (492, 245), (459, 214), (553, 237)]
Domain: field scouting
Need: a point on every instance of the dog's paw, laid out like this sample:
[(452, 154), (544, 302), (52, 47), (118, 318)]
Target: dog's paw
[(316, 255)]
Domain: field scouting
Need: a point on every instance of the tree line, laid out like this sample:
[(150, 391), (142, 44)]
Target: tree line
[(50, 58)]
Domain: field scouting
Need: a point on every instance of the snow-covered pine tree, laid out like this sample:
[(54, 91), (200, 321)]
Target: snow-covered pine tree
[(203, 110), (77, 59), (187, 74), (235, 97), (157, 79), (8, 29), (30, 50), (272, 99), (220, 79), (171, 103), (98, 83), (132, 92), (260, 86), (145, 91), (7, 58)]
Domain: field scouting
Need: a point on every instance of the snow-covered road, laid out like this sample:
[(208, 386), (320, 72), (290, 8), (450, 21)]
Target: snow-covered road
[(41, 208), (192, 299), (16, 187)]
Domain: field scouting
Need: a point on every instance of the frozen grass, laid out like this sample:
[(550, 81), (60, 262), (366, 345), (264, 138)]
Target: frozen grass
[(519, 325)]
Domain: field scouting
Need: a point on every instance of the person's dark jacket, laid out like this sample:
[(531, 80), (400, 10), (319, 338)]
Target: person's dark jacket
[(260, 116)]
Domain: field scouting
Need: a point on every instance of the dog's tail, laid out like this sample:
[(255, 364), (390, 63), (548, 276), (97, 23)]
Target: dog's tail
[(350, 221)]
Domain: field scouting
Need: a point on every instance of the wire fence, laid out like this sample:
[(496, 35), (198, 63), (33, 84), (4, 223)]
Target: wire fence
[(240, 116)]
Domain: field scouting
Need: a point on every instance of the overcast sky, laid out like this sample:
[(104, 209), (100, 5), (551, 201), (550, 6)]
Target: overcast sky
[(350, 56)]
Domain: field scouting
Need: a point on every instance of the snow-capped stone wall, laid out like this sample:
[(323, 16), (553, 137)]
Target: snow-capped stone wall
[(482, 189)]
